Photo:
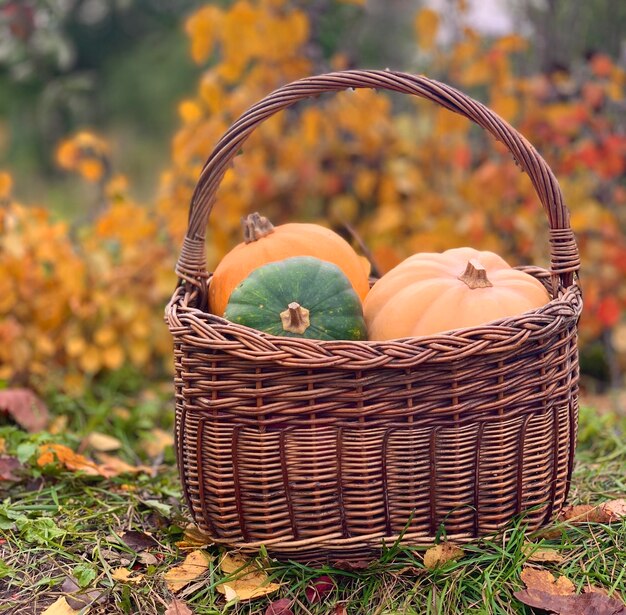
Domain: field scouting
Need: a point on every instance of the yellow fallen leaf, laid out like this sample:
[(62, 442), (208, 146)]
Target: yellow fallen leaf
[(249, 580), (195, 564), (534, 554), (440, 554), (193, 538), (126, 576), (102, 442), (158, 440), (60, 607), (3, 446), (544, 580)]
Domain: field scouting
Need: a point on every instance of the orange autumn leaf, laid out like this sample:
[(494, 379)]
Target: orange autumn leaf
[(202, 27), (109, 467), (62, 455), (6, 184)]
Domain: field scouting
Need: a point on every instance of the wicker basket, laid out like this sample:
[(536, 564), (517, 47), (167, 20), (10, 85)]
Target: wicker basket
[(328, 449)]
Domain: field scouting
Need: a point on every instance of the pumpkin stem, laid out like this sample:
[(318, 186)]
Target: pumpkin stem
[(255, 226), (295, 318), (475, 275)]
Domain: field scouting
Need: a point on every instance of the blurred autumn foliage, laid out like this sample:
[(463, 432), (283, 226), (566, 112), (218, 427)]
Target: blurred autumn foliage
[(405, 175)]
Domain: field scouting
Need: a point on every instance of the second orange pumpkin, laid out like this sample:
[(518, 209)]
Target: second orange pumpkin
[(430, 293)]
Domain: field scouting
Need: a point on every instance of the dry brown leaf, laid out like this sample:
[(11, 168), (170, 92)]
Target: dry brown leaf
[(49, 453), (194, 538), (79, 598), (544, 580), (158, 441), (607, 512), (25, 408), (540, 554), (195, 564), (581, 513), (7, 466), (136, 540), (178, 607), (126, 576), (440, 554), (101, 442), (545, 592), (114, 466), (60, 607), (614, 510), (249, 581)]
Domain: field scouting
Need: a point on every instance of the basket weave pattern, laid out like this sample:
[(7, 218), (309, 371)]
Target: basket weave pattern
[(330, 448)]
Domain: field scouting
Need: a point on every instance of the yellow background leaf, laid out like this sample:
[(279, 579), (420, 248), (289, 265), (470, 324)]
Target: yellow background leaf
[(102, 442), (426, 26)]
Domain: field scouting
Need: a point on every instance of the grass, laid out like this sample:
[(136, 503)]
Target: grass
[(58, 523)]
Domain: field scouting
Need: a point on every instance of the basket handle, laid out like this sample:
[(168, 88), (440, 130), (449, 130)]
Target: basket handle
[(564, 256)]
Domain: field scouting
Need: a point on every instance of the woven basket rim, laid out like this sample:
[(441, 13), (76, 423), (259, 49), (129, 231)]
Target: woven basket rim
[(566, 296)]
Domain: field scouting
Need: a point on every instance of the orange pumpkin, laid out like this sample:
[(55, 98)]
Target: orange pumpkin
[(265, 243), (430, 293)]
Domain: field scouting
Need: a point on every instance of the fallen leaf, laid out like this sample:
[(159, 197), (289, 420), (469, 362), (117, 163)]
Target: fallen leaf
[(440, 554), (195, 564), (137, 541), (280, 607), (3, 446), (605, 592), (49, 453), (25, 408), (79, 598), (60, 607), (340, 609), (178, 607), (114, 466), (147, 559), (193, 538), (581, 513), (352, 565), (7, 466), (539, 554), (607, 512), (545, 581), (248, 582), (319, 588), (58, 424), (158, 441), (545, 592), (235, 562), (615, 510), (126, 576), (101, 442)]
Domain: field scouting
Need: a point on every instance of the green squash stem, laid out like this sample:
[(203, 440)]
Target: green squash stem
[(295, 318)]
